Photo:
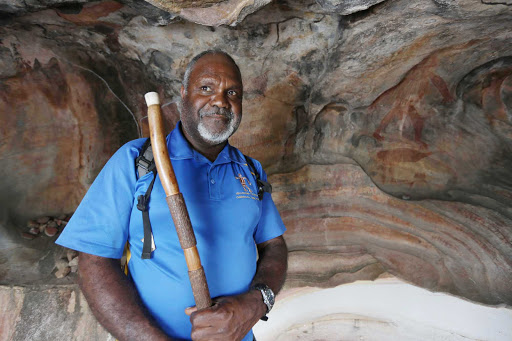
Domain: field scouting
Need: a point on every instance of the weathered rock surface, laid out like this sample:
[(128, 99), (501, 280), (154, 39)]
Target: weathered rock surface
[(342, 227), (158, 12), (387, 133), (346, 7), (212, 12), (22, 7), (47, 313), (204, 12)]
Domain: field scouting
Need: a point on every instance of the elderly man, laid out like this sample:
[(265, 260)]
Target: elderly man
[(239, 236)]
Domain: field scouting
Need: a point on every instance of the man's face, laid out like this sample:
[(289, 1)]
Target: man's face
[(212, 104)]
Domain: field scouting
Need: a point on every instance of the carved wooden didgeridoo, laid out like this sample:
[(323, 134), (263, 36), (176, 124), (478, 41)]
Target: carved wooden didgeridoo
[(176, 203)]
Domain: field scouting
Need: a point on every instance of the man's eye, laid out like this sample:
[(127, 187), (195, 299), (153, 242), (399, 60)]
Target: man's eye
[(206, 88), (232, 93)]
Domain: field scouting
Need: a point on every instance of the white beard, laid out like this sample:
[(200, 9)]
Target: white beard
[(217, 138)]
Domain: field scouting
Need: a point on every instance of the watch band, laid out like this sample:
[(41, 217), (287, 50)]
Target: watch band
[(267, 295)]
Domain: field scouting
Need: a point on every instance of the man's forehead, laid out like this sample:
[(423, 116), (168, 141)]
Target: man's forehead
[(212, 65)]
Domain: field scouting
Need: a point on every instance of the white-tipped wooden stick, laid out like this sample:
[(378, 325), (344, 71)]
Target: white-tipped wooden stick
[(176, 203)]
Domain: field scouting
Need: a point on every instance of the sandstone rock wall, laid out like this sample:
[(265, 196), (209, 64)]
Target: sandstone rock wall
[(386, 131), (47, 313)]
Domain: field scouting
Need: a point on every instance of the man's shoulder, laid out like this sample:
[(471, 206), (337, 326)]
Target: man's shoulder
[(134, 144), (127, 153), (132, 148), (254, 163), (237, 156)]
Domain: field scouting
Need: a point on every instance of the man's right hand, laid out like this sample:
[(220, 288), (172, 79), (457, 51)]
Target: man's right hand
[(230, 317)]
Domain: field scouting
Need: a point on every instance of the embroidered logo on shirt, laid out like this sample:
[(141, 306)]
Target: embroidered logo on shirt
[(247, 193), (244, 181)]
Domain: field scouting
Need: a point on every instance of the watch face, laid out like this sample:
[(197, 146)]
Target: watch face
[(268, 295)]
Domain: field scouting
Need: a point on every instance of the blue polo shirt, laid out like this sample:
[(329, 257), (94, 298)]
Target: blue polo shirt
[(227, 217)]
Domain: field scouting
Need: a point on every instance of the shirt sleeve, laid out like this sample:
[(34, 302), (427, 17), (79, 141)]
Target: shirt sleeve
[(99, 225), (270, 225)]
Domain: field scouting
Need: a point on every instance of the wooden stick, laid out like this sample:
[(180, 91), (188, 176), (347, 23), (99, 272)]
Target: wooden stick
[(176, 203)]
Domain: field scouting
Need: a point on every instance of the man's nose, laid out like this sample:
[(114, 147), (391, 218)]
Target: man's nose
[(220, 100)]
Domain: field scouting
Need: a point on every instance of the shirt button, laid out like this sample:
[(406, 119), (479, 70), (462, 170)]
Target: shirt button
[(212, 181)]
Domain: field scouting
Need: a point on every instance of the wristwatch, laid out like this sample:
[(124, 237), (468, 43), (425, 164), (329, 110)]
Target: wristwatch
[(268, 297)]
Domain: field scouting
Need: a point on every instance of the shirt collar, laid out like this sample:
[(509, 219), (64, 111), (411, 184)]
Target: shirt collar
[(180, 149)]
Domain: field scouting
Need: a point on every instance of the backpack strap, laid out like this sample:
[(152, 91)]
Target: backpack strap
[(142, 205), (263, 186), (144, 164)]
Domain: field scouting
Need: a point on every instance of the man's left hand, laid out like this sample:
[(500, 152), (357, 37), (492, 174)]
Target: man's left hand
[(230, 318)]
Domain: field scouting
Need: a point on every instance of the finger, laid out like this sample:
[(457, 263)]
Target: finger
[(204, 318), (190, 310), (214, 307)]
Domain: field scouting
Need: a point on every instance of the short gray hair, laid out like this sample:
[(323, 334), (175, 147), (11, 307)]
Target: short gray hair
[(192, 63)]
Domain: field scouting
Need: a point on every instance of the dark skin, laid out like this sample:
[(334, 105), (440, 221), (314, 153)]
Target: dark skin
[(114, 300), (232, 317), (214, 82)]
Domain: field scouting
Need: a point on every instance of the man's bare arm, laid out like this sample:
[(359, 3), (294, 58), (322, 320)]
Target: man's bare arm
[(272, 264), (232, 317), (114, 300)]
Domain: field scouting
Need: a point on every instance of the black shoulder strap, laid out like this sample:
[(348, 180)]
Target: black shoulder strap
[(144, 164), (142, 205), (263, 186)]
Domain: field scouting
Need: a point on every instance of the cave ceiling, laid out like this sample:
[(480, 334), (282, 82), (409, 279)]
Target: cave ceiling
[(385, 126)]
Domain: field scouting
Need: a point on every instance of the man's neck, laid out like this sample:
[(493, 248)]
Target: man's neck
[(208, 151)]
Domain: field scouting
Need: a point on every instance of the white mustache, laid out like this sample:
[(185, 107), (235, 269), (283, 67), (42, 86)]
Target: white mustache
[(216, 111)]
